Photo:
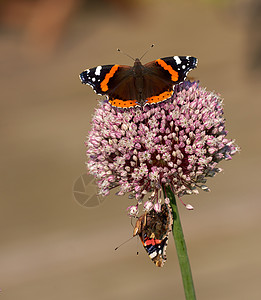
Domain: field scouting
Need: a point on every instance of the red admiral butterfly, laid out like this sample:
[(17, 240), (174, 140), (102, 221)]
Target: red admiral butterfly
[(153, 229), (127, 86)]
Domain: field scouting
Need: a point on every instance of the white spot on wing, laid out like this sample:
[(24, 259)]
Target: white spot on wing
[(153, 254), (98, 71), (177, 60)]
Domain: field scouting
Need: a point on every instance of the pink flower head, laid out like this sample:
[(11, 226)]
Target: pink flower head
[(178, 142)]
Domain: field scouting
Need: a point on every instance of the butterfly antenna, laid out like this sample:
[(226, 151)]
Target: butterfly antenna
[(119, 50), (137, 247), (124, 243), (147, 51)]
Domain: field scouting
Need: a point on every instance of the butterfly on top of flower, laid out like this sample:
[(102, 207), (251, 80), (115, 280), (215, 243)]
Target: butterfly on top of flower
[(127, 86)]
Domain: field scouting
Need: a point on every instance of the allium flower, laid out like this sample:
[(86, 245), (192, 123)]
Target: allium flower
[(178, 142)]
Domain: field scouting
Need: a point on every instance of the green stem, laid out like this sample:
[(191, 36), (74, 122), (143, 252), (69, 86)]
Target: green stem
[(181, 248)]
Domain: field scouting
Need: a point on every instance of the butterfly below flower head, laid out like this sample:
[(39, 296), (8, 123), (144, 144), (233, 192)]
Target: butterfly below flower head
[(153, 229)]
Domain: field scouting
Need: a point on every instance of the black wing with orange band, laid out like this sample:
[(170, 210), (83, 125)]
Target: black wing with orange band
[(175, 68), (98, 78)]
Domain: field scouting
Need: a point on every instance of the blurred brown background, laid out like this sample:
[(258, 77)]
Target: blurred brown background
[(53, 248)]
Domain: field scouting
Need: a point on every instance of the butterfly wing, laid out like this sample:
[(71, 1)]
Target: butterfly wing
[(160, 76), (178, 66), (115, 81), (98, 77), (153, 229), (122, 91)]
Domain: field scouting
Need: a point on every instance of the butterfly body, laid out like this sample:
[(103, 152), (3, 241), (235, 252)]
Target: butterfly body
[(127, 86), (153, 229)]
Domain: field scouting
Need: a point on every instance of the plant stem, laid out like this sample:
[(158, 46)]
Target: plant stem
[(181, 248)]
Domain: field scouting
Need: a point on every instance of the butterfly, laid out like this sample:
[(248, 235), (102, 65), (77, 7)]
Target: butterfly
[(127, 86), (153, 229)]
